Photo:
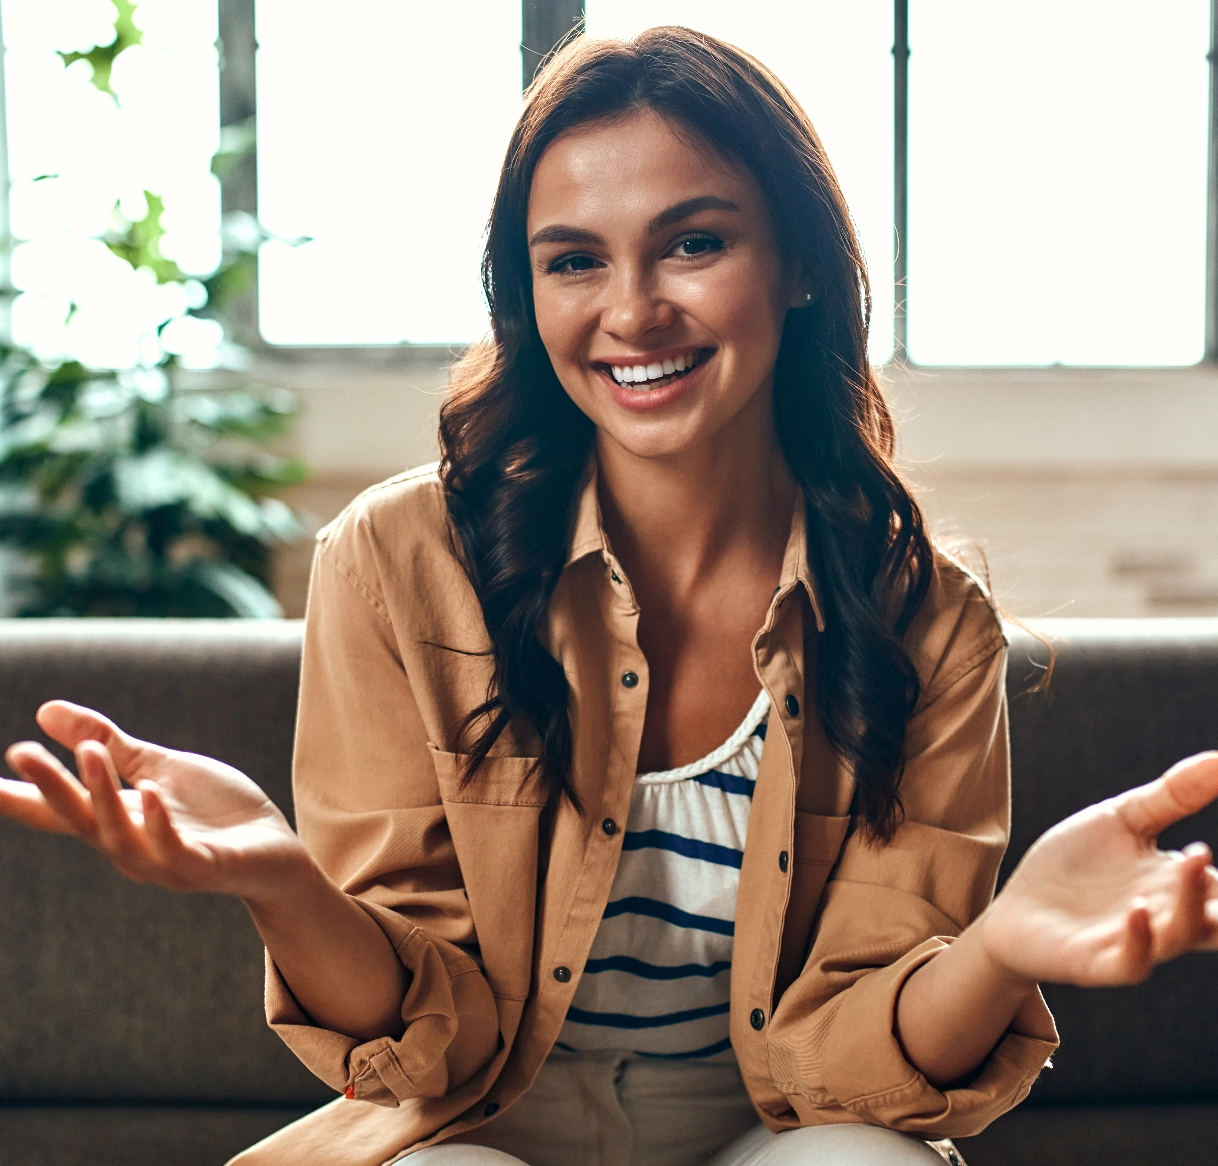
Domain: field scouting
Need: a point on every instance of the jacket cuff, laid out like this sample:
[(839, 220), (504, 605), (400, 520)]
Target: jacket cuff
[(447, 996), (881, 1087)]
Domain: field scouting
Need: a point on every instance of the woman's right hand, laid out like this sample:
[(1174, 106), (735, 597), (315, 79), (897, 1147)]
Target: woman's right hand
[(186, 822)]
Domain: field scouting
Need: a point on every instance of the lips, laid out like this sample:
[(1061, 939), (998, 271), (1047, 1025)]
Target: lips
[(642, 377), (656, 373), (657, 380)]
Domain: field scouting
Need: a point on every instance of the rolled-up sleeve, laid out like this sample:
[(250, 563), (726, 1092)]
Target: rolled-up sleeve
[(369, 809), (888, 909)]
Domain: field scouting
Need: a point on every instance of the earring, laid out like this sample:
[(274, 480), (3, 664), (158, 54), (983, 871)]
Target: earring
[(807, 298)]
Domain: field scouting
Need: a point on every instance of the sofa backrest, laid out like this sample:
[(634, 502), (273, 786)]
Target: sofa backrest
[(119, 992), (1128, 699)]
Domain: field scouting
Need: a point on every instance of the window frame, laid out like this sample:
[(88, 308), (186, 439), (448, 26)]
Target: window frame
[(544, 25)]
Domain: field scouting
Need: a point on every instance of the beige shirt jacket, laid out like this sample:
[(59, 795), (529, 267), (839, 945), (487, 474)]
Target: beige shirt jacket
[(488, 902)]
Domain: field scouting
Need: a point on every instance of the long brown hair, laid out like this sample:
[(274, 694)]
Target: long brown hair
[(514, 445)]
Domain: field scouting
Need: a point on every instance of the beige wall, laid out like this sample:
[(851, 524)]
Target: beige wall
[(1089, 491)]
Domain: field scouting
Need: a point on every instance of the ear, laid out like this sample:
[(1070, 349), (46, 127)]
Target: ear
[(805, 290)]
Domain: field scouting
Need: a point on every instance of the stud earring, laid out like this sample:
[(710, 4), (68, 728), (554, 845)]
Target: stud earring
[(807, 298)]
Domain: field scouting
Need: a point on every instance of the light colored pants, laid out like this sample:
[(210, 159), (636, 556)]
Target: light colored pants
[(614, 1110)]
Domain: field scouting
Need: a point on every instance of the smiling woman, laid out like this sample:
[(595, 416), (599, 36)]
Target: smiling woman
[(651, 766)]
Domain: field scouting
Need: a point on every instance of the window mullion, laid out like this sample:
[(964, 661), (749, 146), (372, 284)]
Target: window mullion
[(900, 177), (543, 25), (1211, 224), (237, 48)]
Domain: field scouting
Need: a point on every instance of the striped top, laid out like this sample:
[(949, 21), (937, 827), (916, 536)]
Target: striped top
[(657, 978)]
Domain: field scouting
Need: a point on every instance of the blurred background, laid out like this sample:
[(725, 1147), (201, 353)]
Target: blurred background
[(245, 241)]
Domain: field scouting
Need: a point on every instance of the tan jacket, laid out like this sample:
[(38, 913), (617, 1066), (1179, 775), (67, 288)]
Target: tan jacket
[(484, 904)]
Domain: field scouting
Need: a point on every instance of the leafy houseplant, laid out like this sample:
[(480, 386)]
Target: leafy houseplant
[(124, 493), (122, 496)]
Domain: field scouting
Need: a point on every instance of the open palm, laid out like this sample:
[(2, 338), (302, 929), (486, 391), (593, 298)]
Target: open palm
[(1095, 901), (184, 821)]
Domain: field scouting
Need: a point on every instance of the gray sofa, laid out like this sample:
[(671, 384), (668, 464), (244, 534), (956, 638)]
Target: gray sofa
[(131, 1029)]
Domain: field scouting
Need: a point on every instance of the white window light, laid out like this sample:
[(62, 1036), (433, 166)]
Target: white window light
[(1057, 164), (381, 130)]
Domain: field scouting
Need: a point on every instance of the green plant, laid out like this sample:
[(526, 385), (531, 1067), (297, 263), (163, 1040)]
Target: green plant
[(124, 497), (124, 493)]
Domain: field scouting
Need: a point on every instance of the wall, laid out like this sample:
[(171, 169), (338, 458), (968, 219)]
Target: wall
[(1089, 492)]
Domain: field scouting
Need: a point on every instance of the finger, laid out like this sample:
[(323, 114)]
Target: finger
[(70, 724), (1187, 926), (1185, 788), (116, 833), (62, 792), (163, 837), (23, 802), (1137, 944)]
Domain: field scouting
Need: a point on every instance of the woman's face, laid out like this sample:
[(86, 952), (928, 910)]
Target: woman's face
[(659, 287)]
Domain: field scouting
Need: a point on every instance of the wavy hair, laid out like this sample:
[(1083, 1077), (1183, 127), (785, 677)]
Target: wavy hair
[(514, 445)]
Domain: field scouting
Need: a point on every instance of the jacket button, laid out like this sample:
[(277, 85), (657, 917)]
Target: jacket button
[(614, 576), (609, 826), (562, 975), (630, 679), (491, 1109), (792, 705), (757, 1019), (783, 859)]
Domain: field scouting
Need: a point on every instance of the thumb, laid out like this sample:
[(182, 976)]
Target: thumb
[(1188, 786), (73, 724)]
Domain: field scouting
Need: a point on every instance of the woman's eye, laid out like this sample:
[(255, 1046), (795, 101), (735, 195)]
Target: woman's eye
[(697, 245), (573, 263)]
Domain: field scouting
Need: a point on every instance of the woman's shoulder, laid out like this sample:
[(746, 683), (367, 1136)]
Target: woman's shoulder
[(957, 628), (395, 530), (410, 501)]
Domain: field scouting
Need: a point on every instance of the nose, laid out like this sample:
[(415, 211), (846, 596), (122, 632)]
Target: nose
[(634, 308)]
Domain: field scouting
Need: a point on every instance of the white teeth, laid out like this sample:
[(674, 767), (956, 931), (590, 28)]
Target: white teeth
[(641, 374)]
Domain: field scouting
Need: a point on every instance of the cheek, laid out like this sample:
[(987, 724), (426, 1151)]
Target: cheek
[(744, 312), (560, 320)]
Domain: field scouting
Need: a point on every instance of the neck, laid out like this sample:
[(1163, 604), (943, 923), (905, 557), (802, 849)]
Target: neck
[(724, 504)]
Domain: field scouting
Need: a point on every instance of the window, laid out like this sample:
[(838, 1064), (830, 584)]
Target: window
[(1057, 182), (384, 148), (1044, 167)]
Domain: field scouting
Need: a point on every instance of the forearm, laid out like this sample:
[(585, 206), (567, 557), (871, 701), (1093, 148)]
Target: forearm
[(954, 1009), (338, 963)]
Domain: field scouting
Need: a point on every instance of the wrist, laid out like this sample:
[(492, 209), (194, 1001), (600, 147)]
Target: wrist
[(290, 879), (998, 970)]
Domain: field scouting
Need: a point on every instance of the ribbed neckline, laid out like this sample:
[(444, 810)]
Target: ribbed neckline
[(757, 714)]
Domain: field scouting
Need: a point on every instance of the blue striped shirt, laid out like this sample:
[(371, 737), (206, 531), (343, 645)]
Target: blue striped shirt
[(657, 978)]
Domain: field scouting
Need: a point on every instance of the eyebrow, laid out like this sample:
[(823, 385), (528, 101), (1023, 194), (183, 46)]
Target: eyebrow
[(558, 233)]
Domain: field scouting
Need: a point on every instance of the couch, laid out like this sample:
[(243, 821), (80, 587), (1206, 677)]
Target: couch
[(131, 1030)]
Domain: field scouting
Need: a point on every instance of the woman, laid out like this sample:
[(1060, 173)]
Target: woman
[(649, 756)]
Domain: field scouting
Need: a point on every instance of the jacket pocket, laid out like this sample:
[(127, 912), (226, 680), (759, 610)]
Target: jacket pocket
[(498, 781)]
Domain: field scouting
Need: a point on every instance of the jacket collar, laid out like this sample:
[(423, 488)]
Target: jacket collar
[(588, 538)]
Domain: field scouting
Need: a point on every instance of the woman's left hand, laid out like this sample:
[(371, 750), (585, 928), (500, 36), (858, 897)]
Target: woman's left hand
[(1096, 902)]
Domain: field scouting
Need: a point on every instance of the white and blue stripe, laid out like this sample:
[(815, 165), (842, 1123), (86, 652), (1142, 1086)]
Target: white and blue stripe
[(657, 979)]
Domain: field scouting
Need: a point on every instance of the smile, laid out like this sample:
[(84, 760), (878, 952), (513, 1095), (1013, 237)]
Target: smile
[(642, 378)]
